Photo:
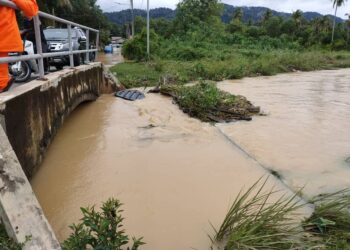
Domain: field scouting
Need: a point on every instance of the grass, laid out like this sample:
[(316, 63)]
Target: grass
[(232, 64), (331, 220), (254, 222)]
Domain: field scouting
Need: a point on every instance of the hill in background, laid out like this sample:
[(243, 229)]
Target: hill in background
[(249, 13)]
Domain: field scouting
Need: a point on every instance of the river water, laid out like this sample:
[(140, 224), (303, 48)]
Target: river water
[(177, 175)]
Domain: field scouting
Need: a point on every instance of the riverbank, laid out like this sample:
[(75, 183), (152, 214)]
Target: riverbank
[(236, 64)]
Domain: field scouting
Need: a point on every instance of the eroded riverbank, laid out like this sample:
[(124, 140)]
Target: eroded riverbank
[(175, 174)]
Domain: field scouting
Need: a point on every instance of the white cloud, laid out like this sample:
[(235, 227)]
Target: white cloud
[(321, 6)]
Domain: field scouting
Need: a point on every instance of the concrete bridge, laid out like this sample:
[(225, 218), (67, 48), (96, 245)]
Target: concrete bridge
[(30, 116)]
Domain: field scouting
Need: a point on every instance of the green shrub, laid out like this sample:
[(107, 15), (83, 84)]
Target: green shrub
[(101, 230), (136, 48), (6, 243)]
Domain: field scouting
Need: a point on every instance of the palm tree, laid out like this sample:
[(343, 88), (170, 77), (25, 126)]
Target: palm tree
[(298, 17), (336, 4)]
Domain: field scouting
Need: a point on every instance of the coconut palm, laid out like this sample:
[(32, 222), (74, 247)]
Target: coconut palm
[(298, 17), (336, 4)]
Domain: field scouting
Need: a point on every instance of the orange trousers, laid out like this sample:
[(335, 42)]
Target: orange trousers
[(4, 73)]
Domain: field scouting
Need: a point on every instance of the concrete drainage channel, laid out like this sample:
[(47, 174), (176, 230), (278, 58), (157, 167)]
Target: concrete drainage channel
[(30, 116)]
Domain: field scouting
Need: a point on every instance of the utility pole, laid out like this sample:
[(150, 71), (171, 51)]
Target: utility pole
[(148, 44), (132, 18)]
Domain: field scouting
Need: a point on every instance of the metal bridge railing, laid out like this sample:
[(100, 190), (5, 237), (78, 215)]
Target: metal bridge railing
[(40, 55)]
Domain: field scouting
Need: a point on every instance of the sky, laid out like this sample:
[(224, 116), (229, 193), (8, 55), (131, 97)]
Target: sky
[(321, 6)]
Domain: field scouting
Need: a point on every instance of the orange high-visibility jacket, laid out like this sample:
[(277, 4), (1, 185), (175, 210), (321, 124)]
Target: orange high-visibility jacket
[(10, 39)]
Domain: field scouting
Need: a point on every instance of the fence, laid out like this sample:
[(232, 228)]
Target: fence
[(40, 55)]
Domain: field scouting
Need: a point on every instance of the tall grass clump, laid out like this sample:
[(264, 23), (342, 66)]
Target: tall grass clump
[(331, 220), (255, 222)]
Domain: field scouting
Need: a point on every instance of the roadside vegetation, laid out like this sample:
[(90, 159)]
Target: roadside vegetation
[(266, 220), (197, 44)]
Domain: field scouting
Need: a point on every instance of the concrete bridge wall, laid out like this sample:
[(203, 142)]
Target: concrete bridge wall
[(30, 116)]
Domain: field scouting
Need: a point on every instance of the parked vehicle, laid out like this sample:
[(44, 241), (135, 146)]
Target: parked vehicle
[(58, 42), (23, 70), (108, 49)]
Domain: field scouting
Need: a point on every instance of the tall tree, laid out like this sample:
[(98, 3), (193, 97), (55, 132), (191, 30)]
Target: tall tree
[(336, 4), (191, 13), (298, 17), (267, 16), (238, 14)]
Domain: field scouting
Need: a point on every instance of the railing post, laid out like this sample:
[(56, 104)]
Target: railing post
[(97, 44), (87, 57), (71, 60), (39, 47)]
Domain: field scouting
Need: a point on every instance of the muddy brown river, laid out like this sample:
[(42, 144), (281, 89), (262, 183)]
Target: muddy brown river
[(177, 175)]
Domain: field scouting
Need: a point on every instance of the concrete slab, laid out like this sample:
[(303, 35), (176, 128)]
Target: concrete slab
[(19, 209)]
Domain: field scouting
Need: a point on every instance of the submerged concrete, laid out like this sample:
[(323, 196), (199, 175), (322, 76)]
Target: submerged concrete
[(31, 114)]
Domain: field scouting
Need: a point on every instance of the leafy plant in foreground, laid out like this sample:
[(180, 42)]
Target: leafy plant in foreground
[(6, 243), (101, 230)]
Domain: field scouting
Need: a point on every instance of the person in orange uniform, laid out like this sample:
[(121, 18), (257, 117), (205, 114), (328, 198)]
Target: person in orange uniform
[(10, 39)]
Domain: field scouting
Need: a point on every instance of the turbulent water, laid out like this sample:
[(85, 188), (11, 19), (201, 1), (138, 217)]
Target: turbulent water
[(177, 175), (305, 136)]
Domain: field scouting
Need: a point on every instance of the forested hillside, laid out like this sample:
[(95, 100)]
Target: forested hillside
[(253, 14)]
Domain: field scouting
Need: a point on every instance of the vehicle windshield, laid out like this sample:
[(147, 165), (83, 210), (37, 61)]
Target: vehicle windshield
[(58, 34)]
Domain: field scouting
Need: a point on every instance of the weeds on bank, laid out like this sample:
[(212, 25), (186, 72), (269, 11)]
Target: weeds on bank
[(254, 222), (101, 230)]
